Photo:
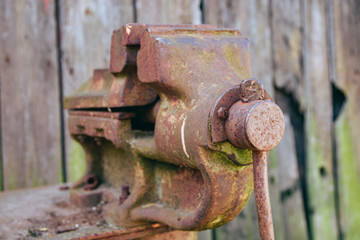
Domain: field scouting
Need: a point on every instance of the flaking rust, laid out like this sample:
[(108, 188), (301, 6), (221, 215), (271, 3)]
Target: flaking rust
[(168, 130)]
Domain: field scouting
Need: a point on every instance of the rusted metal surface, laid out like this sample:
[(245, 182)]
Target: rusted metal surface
[(103, 114), (257, 125), (106, 90), (248, 90), (86, 198), (132, 233), (168, 130), (251, 90), (47, 213), (125, 43), (91, 182), (262, 196)]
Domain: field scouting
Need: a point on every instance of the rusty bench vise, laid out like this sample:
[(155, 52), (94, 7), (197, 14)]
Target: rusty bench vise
[(176, 131)]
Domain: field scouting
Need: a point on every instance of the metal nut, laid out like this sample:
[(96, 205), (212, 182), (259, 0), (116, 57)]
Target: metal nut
[(222, 112), (251, 90), (91, 182)]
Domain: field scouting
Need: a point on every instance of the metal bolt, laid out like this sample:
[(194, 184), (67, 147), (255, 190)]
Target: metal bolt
[(222, 112), (91, 182), (251, 90), (262, 195)]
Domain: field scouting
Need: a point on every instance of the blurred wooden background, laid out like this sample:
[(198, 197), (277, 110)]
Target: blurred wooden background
[(306, 52)]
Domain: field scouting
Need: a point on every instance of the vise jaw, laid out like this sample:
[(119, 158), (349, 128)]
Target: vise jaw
[(171, 128)]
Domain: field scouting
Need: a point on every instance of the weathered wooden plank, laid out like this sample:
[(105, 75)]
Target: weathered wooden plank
[(1, 158), (287, 35), (168, 12), (346, 51), (253, 18), (293, 214), (30, 121), (243, 226), (318, 122), (287, 32), (204, 235), (276, 207), (86, 28)]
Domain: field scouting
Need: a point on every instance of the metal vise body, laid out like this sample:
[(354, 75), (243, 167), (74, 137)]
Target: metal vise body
[(169, 130)]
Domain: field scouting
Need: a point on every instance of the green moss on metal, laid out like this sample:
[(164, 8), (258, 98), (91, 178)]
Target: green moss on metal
[(349, 180), (77, 162), (219, 221), (234, 60), (242, 156), (220, 162), (207, 56)]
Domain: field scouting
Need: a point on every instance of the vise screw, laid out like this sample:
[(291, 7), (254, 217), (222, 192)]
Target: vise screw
[(176, 131)]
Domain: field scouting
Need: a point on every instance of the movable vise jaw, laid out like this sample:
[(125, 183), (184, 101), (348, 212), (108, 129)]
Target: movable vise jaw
[(177, 130)]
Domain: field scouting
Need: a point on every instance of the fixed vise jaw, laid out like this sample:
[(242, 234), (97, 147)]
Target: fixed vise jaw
[(171, 129)]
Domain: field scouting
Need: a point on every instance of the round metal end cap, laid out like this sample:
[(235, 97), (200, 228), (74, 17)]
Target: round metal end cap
[(265, 125)]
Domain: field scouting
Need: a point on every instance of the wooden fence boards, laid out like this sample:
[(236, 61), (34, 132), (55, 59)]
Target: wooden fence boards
[(30, 122), (305, 52), (168, 12), (287, 44), (288, 50), (318, 122), (241, 15), (292, 208), (346, 51), (86, 28)]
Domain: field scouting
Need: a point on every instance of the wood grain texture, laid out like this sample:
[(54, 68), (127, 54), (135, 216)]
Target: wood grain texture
[(30, 121), (86, 28), (168, 12), (275, 195), (346, 49), (287, 32), (204, 235), (253, 19), (318, 123), (290, 54), (288, 50), (292, 209)]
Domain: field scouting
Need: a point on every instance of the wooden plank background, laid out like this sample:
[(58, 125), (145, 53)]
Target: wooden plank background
[(30, 112), (306, 52)]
